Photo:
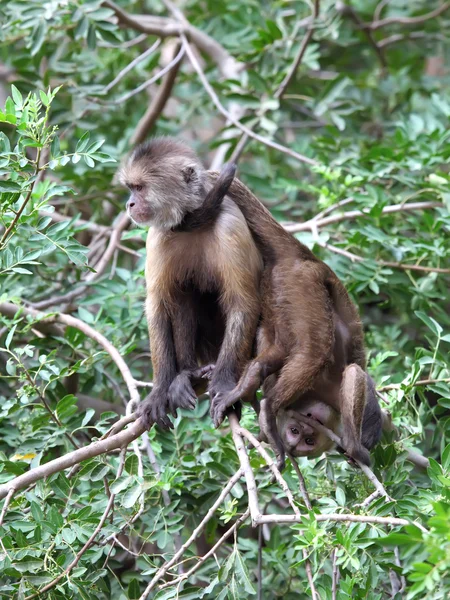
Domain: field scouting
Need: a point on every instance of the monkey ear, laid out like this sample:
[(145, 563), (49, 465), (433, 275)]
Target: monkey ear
[(189, 173)]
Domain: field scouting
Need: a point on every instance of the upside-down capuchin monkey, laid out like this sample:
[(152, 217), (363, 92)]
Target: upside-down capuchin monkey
[(309, 342), (302, 439), (202, 274)]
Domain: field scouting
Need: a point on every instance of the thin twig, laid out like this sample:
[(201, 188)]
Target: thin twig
[(131, 66), (116, 233), (200, 527), (212, 94), (351, 215), (211, 552), (88, 544), (157, 105), (382, 263), (335, 576), (301, 52), (421, 382), (407, 20), (8, 498), (252, 490), (272, 466), (11, 310), (394, 521), (153, 79)]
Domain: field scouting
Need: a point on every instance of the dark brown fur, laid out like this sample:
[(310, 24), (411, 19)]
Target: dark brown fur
[(202, 278), (310, 338)]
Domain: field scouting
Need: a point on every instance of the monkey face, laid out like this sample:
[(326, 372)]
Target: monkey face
[(302, 440), (165, 184)]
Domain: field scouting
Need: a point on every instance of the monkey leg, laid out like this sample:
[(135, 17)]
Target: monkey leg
[(353, 396), (155, 407), (266, 363), (183, 313)]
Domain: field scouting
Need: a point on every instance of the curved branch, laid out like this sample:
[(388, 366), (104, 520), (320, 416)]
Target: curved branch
[(11, 310), (407, 20), (72, 458)]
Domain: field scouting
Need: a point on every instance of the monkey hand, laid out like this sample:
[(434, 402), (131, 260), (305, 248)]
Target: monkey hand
[(222, 399), (181, 393), (153, 410)]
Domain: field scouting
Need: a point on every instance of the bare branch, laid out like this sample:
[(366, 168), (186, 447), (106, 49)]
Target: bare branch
[(8, 499), (116, 233), (210, 553), (301, 52), (131, 66), (212, 94), (394, 521), (70, 459), (173, 63), (351, 215), (11, 310), (88, 544), (200, 527), (252, 490), (272, 466), (165, 27), (408, 20), (157, 105)]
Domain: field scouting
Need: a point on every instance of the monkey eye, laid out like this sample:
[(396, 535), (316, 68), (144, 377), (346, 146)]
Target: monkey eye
[(138, 188), (309, 441), (294, 430)]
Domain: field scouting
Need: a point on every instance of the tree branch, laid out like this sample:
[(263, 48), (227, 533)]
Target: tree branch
[(408, 20), (70, 459)]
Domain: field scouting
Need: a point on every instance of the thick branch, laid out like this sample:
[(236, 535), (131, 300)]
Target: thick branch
[(118, 440)]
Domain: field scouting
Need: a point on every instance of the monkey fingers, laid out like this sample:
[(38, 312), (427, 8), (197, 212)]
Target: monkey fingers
[(204, 372), (153, 410), (181, 393), (220, 404)]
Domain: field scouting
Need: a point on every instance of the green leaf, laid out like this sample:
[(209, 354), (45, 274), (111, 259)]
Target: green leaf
[(131, 496), (10, 335), (134, 590), (17, 96), (9, 186), (83, 142), (429, 322)]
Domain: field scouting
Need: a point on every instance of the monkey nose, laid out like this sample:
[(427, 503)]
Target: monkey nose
[(307, 430), (130, 204)]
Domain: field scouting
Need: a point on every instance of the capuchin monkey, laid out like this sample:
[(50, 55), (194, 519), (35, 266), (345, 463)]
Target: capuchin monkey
[(202, 275), (309, 342)]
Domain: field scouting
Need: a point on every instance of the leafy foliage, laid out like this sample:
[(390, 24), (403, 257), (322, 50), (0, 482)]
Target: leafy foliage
[(380, 138)]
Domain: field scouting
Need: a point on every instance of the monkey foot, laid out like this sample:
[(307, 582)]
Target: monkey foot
[(153, 410), (181, 393)]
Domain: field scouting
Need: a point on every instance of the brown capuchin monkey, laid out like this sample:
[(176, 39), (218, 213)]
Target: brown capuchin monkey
[(202, 274), (301, 439), (309, 341)]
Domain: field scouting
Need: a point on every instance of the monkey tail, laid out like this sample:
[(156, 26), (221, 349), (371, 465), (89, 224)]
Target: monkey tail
[(215, 196)]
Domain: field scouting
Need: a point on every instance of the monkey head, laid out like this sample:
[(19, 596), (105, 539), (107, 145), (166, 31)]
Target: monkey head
[(166, 180), (300, 439)]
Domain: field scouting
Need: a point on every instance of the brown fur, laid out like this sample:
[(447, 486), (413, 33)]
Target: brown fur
[(202, 283), (310, 335)]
